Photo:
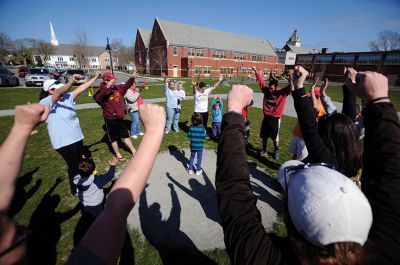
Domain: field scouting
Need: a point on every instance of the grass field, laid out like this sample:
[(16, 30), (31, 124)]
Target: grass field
[(44, 204), (10, 97)]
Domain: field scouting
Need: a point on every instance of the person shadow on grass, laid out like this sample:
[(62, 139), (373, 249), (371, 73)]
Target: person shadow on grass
[(173, 245), (21, 196), (205, 194), (45, 228)]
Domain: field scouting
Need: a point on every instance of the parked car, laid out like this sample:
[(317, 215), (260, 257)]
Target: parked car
[(22, 71), (7, 78), (36, 76), (70, 72)]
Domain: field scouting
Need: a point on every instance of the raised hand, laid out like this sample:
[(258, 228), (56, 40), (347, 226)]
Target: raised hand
[(113, 161), (239, 97), (153, 117), (98, 74), (220, 78), (300, 75), (254, 68), (135, 74), (324, 87), (27, 117), (76, 77), (350, 77), (372, 85)]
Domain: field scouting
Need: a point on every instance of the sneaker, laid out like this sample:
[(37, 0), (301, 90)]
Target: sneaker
[(276, 154), (134, 136), (190, 172), (166, 132), (263, 153), (141, 134), (199, 172)]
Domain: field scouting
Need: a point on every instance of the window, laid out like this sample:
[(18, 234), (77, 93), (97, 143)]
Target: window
[(254, 58), (207, 70), (60, 59), (190, 52), (259, 58), (230, 69), (199, 52), (392, 59), (71, 59), (216, 54), (94, 60), (223, 70), (223, 55), (323, 59), (237, 56), (344, 59), (304, 59), (265, 72), (198, 70), (175, 51), (369, 58)]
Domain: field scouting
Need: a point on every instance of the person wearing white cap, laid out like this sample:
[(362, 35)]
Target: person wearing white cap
[(330, 220), (63, 124)]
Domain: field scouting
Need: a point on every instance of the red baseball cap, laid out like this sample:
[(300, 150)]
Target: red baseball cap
[(108, 76), (317, 92)]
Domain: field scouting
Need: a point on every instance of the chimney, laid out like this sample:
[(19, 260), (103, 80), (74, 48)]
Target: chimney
[(324, 50)]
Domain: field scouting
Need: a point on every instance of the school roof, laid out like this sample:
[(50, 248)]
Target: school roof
[(68, 49), (298, 50), (198, 37), (146, 35)]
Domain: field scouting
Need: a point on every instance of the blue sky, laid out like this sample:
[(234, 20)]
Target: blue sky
[(339, 25)]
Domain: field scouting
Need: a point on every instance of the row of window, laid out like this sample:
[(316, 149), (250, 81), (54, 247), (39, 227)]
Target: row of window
[(218, 54), (72, 59), (198, 70), (349, 59)]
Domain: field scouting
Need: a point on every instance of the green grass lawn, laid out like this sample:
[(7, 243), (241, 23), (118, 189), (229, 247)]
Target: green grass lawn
[(41, 199), (11, 97)]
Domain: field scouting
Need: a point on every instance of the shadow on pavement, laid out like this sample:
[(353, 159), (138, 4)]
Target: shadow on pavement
[(173, 245)]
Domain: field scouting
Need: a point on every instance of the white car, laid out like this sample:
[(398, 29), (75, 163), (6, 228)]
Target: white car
[(36, 76)]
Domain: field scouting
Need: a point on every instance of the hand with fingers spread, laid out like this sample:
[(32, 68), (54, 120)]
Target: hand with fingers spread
[(300, 75)]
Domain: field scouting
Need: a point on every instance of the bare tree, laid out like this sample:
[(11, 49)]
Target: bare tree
[(387, 41), (44, 49), (159, 57), (6, 45), (23, 50), (81, 49)]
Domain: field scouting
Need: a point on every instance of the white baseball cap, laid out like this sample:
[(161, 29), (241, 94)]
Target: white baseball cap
[(324, 205), (52, 83)]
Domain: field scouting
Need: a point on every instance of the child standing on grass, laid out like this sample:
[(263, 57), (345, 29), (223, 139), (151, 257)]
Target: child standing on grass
[(89, 186), (217, 108), (197, 136)]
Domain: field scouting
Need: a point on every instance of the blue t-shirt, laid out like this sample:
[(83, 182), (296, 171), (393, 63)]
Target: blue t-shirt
[(63, 123)]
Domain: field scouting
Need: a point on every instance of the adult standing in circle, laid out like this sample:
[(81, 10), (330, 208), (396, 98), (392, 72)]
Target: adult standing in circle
[(63, 123), (201, 93)]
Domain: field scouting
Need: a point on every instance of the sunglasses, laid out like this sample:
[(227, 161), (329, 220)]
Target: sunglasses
[(21, 235), (55, 83), (293, 169)]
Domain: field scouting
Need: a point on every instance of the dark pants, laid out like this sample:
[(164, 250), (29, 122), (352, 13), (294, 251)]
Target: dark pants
[(204, 115), (216, 129), (72, 154)]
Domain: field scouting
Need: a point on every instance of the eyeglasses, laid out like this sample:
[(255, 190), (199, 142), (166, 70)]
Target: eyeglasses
[(292, 169), (21, 235)]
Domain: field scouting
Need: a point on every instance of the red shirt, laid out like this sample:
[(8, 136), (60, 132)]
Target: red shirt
[(274, 101)]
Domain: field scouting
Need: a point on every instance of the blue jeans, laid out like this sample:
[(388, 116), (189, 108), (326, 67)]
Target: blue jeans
[(135, 127), (216, 129), (199, 158), (172, 116)]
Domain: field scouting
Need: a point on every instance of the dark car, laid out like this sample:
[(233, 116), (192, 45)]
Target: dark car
[(22, 71), (36, 76), (70, 72), (7, 78)]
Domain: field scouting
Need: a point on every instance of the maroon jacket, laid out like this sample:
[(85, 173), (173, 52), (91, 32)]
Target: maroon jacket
[(112, 99)]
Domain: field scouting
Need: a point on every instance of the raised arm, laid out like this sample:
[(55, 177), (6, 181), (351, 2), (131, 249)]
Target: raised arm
[(330, 108), (102, 238), (245, 237), (58, 93), (381, 160), (102, 179), (85, 86), (220, 79), (314, 99), (349, 99), (27, 117), (317, 150), (259, 78), (123, 88), (194, 84)]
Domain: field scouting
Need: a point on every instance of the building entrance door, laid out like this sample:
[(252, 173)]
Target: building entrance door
[(175, 71)]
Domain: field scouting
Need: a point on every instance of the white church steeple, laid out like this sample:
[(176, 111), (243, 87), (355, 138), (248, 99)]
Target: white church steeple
[(54, 40)]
